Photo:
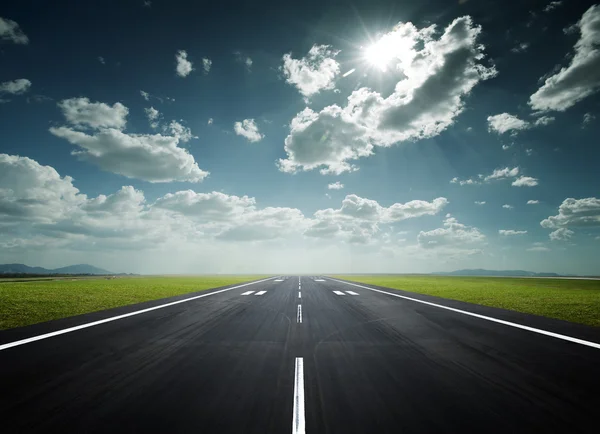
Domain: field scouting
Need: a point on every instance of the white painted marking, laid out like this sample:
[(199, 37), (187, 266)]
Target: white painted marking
[(338, 292), (118, 317), (299, 294), (247, 292), (298, 414), (278, 280), (319, 280), (487, 318), (260, 292), (352, 292), (299, 314)]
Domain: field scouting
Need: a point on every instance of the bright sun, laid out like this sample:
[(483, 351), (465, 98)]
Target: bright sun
[(379, 54)]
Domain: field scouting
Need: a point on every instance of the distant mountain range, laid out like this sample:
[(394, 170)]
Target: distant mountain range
[(71, 269), (508, 273)]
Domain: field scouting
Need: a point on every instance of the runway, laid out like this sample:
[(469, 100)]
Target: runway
[(302, 354)]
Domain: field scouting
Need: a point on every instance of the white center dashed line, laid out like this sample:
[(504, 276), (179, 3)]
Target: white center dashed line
[(338, 293), (298, 421), (299, 294), (299, 315)]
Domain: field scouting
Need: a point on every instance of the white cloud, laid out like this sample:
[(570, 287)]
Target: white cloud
[(153, 116), (588, 118), (335, 186), (505, 122), (150, 157), (498, 174), (575, 213), (101, 60), (184, 66), (181, 132), (313, 73), (81, 113), (10, 31), (453, 234), (359, 219), (145, 95), (538, 249), (147, 3), (552, 5), (248, 63), (206, 65), (506, 147), (15, 87), (510, 232), (525, 181), (246, 60), (477, 202), (507, 206), (248, 129), (529, 152), (581, 78), (210, 121), (544, 120), (504, 173), (438, 75), (532, 202), (208, 207), (561, 234), (521, 48)]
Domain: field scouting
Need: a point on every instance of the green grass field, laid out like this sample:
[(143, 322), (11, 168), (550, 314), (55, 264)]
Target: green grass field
[(570, 300), (24, 303)]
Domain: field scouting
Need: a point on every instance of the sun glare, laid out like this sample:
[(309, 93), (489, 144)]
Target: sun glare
[(379, 54)]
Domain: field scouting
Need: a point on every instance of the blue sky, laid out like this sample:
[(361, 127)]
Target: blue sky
[(374, 136)]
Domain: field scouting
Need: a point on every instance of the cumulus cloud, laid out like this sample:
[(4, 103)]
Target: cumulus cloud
[(15, 87), (181, 132), (588, 118), (206, 65), (314, 72), (510, 232), (561, 234), (150, 157), (207, 207), (505, 122), (248, 129), (507, 206), (581, 78), (538, 249), (183, 66), (552, 5), (503, 173), (532, 202), (437, 76), (359, 219), (544, 120), (153, 115), (335, 186), (10, 31), (80, 112), (525, 181), (575, 213), (454, 234)]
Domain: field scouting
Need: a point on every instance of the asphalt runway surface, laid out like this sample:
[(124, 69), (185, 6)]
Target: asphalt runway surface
[(305, 355)]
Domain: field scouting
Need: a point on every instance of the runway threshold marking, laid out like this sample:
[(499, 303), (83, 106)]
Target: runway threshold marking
[(338, 293), (247, 293), (298, 413), (352, 292), (118, 317), (261, 292), (487, 318)]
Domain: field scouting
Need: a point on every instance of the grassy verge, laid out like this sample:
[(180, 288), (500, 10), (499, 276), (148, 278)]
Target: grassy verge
[(570, 300), (24, 303)]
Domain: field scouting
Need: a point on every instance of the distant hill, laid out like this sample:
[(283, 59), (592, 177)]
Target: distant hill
[(71, 269), (508, 273)]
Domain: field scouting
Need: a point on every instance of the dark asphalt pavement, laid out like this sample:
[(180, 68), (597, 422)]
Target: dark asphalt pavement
[(373, 363)]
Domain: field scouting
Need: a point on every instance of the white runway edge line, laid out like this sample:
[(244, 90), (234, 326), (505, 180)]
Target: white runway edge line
[(299, 314), (298, 414), (487, 318), (118, 317)]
